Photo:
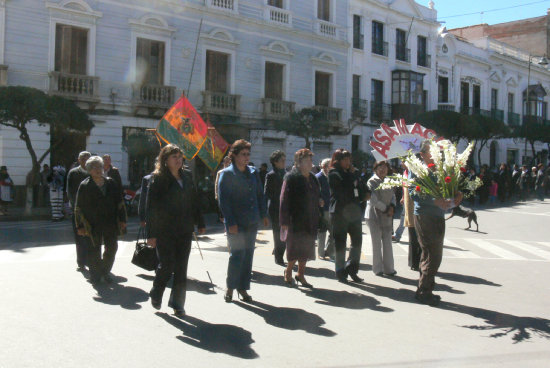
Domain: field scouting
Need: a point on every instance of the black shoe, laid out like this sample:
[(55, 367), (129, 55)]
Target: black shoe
[(108, 279), (428, 299), (356, 278), (179, 312), (343, 280), (243, 295), (80, 268), (156, 303), (303, 281), (280, 262), (228, 296), (379, 273), (391, 274)]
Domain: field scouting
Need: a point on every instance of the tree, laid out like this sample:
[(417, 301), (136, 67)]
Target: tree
[(310, 124), (533, 130), (448, 124), (484, 129), (20, 106)]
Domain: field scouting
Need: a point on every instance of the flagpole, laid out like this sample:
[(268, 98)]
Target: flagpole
[(194, 58)]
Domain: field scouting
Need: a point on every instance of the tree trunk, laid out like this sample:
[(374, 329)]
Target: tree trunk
[(308, 143), (35, 168), (533, 151)]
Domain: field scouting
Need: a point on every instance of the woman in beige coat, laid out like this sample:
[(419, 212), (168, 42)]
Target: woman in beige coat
[(379, 215)]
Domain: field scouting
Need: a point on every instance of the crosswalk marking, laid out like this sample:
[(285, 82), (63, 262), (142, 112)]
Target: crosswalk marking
[(498, 251), (544, 254), (544, 244), (461, 253)]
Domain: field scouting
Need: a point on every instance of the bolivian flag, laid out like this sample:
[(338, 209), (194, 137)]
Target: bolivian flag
[(184, 127), (214, 148)]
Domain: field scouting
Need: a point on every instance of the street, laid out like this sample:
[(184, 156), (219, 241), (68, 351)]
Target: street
[(493, 284)]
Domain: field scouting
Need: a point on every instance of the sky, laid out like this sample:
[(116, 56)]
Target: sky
[(448, 11)]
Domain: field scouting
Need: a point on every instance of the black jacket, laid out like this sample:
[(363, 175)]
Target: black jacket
[(173, 210), (300, 217), (75, 177), (114, 174), (345, 195), (99, 214), (272, 190)]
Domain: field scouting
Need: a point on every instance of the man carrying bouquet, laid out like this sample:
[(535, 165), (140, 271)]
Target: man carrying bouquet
[(429, 223)]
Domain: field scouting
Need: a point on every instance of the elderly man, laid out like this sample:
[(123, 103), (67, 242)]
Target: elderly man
[(325, 248), (75, 177), (111, 171), (429, 223)]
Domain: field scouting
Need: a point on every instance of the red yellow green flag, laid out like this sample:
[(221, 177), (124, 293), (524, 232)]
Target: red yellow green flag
[(184, 127), (213, 150)]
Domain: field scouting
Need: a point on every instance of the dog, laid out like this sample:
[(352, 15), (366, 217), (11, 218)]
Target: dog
[(465, 213)]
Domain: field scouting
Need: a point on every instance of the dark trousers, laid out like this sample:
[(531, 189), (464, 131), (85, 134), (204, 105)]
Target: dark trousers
[(173, 254), (81, 246), (101, 266), (430, 231), (279, 246), (414, 249), (241, 254), (341, 227)]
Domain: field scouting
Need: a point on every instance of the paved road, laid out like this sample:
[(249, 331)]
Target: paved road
[(493, 285)]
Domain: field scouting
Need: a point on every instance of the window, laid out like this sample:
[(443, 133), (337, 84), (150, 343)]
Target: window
[(274, 80), (510, 102), (464, 95), (217, 65), (407, 87), (323, 10), (275, 3), (355, 143), (477, 97), (356, 88), (378, 39), (425, 100), (443, 90), (422, 51), (322, 89), (71, 49), (357, 33), (401, 45), (377, 91), (494, 99), (150, 61)]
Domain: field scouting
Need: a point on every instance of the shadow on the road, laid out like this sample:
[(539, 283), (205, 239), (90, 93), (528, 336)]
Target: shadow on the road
[(289, 318), (199, 286), (115, 293), (438, 286), (467, 279), (345, 299), (519, 328), (226, 339)]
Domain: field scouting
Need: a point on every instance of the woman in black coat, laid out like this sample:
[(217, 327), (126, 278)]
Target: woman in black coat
[(272, 190), (346, 195), (100, 216), (174, 210)]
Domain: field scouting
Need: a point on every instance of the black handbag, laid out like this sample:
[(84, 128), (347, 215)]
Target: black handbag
[(144, 256)]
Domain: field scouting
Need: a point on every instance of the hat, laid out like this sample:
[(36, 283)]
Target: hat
[(3, 168)]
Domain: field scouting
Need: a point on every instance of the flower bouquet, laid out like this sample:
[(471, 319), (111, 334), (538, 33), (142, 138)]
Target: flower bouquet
[(443, 178)]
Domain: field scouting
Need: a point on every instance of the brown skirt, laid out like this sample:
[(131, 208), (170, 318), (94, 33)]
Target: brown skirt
[(300, 246)]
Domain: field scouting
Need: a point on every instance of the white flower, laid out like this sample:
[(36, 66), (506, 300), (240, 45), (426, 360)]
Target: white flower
[(463, 157), (416, 166), (435, 152)]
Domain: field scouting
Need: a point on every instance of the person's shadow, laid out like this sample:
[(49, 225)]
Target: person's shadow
[(518, 327), (202, 287), (465, 279), (288, 318), (438, 286), (345, 299), (215, 338), (128, 297)]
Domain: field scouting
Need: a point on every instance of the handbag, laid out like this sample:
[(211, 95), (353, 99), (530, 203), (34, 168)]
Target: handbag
[(144, 256)]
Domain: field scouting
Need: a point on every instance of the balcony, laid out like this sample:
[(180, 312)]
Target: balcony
[(403, 54), (380, 111), (407, 111), (379, 47), (277, 109), (424, 60), (446, 107), (278, 16), (224, 5), (533, 119), (513, 119), (221, 103), (326, 29), (153, 96), (497, 114), (359, 108), (331, 114), (81, 88), (475, 111)]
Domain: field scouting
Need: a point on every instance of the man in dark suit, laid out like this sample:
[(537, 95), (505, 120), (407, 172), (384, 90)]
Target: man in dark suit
[(111, 171), (272, 190)]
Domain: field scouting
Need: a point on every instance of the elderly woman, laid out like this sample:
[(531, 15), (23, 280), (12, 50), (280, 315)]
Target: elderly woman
[(100, 216), (299, 214), (379, 215), (272, 190), (174, 210), (241, 198)]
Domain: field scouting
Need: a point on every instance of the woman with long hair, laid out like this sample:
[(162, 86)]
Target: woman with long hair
[(346, 194), (174, 211), (299, 214)]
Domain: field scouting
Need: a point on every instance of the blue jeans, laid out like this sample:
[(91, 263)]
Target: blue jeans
[(241, 253)]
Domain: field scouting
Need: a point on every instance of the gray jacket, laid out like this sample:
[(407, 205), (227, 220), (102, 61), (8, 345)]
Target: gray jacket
[(379, 202)]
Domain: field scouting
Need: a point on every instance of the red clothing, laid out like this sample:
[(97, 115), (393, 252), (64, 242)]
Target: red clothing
[(493, 189)]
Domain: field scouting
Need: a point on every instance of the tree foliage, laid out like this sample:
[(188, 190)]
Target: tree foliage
[(20, 106), (533, 130)]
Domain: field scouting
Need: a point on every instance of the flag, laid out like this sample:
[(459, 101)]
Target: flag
[(184, 127), (214, 148)]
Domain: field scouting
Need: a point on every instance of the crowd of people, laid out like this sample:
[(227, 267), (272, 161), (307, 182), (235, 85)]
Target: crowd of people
[(312, 211)]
